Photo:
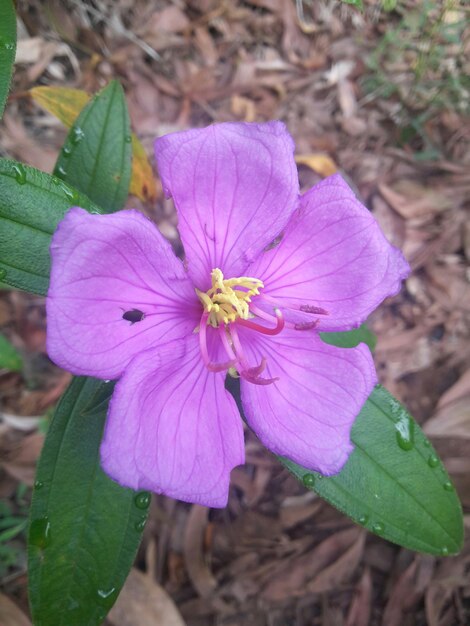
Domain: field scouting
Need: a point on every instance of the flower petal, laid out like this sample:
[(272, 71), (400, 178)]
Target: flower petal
[(105, 267), (234, 186), (172, 427), (333, 256), (307, 414)]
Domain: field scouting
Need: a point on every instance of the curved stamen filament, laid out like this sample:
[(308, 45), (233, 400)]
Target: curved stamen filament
[(262, 329)]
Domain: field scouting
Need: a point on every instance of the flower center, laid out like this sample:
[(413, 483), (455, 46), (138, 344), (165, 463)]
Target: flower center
[(228, 300)]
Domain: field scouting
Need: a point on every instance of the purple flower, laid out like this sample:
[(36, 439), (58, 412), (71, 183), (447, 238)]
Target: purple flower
[(246, 301)]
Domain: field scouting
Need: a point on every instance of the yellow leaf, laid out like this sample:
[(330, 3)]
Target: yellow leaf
[(62, 102), (320, 163), (143, 181), (67, 103)]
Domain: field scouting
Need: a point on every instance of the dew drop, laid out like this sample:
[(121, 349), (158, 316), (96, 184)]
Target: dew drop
[(38, 484), (142, 500), (395, 407), (363, 519), (405, 431), (40, 532), (308, 481), (105, 594), (140, 525), (433, 461), (2, 274), (444, 551), (77, 135), (6, 45), (378, 528), (70, 194), (55, 180), (20, 173), (106, 597), (448, 486), (128, 139), (67, 151), (61, 171), (427, 443)]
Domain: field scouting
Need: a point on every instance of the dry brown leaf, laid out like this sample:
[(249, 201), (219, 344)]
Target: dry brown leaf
[(23, 147), (347, 97), (170, 20), (20, 460), (320, 163), (341, 570), (292, 576), (199, 573), (243, 108), (453, 420), (408, 590), (361, 605), (411, 200), (142, 602), (10, 614), (459, 390)]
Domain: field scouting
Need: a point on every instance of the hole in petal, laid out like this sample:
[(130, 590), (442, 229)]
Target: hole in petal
[(133, 316)]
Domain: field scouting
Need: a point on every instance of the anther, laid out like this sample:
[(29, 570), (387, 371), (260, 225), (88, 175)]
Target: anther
[(306, 325), (316, 310)]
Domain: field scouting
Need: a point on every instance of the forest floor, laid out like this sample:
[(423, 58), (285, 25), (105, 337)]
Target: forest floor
[(382, 98)]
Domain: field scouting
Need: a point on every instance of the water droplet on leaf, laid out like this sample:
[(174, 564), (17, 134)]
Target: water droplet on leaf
[(128, 139), (433, 461), (142, 500), (77, 135), (38, 484), (104, 594), (70, 194), (67, 151), (448, 486), (363, 519), (106, 597), (6, 45), (61, 171), (20, 173), (378, 528), (308, 481), (40, 532), (140, 525), (405, 431), (444, 551)]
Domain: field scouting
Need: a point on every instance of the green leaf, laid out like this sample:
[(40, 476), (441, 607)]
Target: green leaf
[(97, 155), (393, 483), (31, 205), (357, 3), (7, 48), (351, 338), (10, 358), (85, 529)]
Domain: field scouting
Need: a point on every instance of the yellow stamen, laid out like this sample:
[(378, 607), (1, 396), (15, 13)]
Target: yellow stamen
[(228, 300)]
